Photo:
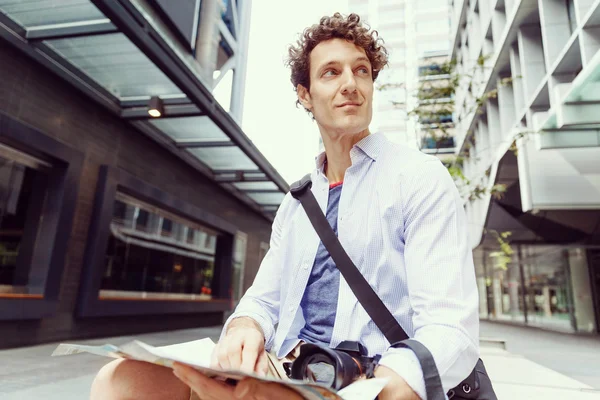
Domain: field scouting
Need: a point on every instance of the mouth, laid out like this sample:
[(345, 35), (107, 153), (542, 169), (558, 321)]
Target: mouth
[(349, 105)]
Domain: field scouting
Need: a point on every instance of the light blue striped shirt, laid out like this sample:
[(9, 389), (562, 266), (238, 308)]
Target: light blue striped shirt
[(401, 221)]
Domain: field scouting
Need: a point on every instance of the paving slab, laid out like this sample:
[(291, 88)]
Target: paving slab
[(30, 373)]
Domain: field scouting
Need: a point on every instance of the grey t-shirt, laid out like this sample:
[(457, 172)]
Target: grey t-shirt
[(319, 302)]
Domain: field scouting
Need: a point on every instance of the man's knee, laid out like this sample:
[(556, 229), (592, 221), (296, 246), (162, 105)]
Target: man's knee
[(127, 379)]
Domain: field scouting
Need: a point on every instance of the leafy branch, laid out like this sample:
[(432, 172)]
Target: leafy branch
[(503, 256)]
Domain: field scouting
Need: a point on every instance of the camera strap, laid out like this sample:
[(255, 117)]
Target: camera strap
[(365, 294)]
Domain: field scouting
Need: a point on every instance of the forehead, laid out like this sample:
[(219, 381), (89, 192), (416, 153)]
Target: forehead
[(335, 50)]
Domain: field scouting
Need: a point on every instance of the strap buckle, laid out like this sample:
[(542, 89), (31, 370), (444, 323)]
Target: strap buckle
[(299, 187)]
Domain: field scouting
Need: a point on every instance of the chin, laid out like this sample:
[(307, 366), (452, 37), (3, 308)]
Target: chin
[(353, 127)]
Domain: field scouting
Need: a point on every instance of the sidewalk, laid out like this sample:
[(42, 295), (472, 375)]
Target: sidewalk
[(30, 373), (516, 378)]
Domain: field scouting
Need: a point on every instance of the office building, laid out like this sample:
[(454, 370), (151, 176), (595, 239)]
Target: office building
[(528, 119), (131, 199)]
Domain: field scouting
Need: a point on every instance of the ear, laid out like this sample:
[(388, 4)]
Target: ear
[(304, 97)]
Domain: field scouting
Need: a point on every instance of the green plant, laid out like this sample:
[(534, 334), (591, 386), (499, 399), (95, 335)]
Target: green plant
[(503, 256)]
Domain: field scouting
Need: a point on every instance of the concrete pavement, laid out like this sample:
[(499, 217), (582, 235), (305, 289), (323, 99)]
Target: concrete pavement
[(522, 371)]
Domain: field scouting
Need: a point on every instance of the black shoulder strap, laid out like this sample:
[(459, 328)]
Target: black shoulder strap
[(431, 376), (365, 294)]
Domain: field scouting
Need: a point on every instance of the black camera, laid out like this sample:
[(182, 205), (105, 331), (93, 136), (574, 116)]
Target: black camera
[(336, 368)]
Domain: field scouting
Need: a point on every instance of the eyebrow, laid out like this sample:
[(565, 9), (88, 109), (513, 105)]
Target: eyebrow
[(330, 63)]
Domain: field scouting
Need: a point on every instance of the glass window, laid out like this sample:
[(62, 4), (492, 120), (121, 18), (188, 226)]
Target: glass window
[(153, 254), (116, 64), (190, 128), (547, 288), (255, 186), (49, 12), (227, 158), (22, 192), (503, 290), (239, 264), (583, 299), (267, 198)]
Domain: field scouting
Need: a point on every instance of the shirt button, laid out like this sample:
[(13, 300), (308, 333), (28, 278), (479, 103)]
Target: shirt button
[(291, 309), (305, 265)]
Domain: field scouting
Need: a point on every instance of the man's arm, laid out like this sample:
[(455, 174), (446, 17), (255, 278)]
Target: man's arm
[(440, 277), (261, 301)]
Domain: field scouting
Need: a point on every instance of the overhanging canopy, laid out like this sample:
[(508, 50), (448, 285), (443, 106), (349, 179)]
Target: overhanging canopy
[(120, 56)]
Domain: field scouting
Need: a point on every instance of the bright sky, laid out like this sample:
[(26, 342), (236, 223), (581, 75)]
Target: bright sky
[(286, 135)]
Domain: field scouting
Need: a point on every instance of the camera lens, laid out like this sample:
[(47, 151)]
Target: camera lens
[(325, 366), (320, 372)]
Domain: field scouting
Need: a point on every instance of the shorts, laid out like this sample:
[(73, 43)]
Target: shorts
[(275, 366)]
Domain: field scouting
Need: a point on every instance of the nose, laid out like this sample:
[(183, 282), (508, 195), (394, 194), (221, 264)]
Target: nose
[(348, 82)]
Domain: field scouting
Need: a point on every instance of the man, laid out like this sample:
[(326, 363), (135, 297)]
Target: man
[(396, 212)]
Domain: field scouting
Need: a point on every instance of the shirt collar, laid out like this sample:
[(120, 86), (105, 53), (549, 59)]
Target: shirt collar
[(372, 146)]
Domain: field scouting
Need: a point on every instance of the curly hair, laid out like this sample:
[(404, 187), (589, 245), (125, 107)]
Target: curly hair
[(349, 28)]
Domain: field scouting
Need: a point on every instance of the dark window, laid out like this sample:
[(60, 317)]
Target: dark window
[(148, 263), (570, 4), (22, 190), (436, 119), (442, 143)]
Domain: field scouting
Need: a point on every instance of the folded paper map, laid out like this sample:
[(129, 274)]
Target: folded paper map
[(197, 355)]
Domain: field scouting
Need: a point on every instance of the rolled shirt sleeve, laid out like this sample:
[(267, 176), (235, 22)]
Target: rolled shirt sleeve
[(441, 279), (261, 301)]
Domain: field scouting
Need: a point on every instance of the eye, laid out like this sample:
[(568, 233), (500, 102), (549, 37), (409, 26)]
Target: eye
[(363, 70), (329, 72)]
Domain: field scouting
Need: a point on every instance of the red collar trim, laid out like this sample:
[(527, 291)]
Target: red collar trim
[(332, 185)]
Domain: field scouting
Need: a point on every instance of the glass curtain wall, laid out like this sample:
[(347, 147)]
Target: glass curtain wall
[(22, 193), (153, 254), (543, 286)]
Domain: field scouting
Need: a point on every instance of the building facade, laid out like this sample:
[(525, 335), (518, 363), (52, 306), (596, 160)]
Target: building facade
[(527, 119), (131, 199), (415, 33)]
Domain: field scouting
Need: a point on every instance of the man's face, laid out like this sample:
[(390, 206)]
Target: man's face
[(341, 87)]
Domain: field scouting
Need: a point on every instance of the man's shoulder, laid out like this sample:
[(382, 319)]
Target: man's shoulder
[(406, 160)]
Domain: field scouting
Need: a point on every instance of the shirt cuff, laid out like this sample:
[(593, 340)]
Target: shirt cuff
[(406, 364)]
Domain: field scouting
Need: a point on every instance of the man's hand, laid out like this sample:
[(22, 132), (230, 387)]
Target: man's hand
[(242, 348), (250, 389), (397, 388)]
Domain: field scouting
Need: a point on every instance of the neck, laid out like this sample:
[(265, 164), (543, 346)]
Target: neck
[(337, 149)]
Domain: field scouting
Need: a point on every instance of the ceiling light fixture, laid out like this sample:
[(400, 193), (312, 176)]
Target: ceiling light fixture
[(155, 107)]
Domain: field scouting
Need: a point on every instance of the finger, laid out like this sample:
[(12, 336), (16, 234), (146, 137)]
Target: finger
[(262, 364), (214, 360), (234, 357), (202, 384), (249, 358), (223, 357)]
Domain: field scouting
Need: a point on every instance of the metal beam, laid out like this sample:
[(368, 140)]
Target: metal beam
[(260, 190), (142, 101), (71, 29), (227, 36), (174, 111), (130, 21), (191, 143), (237, 171), (238, 177)]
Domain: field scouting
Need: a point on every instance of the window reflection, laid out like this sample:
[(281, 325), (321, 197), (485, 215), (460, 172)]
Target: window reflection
[(20, 186), (544, 285), (153, 254)]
